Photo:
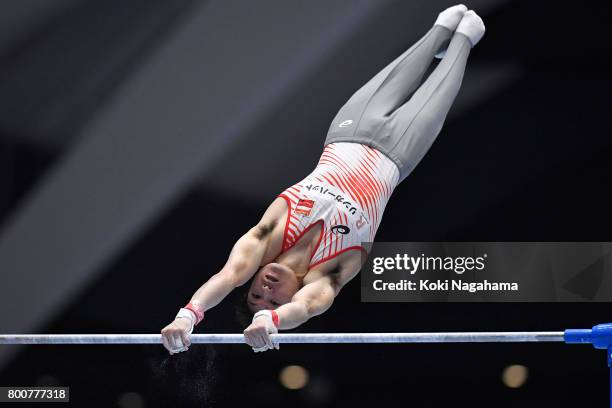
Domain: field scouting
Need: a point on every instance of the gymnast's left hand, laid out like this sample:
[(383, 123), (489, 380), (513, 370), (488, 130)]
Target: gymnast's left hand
[(257, 335)]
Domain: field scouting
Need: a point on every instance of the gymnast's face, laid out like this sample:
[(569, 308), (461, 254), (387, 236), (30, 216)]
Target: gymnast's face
[(272, 286)]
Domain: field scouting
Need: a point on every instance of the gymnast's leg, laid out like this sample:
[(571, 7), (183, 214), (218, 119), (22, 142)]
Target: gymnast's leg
[(358, 119), (416, 124)]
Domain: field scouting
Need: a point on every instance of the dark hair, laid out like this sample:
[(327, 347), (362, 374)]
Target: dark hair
[(243, 314)]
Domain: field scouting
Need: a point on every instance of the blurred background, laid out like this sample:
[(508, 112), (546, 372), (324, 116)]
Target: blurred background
[(140, 138)]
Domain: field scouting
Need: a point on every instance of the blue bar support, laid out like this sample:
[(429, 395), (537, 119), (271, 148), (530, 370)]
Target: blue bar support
[(599, 336)]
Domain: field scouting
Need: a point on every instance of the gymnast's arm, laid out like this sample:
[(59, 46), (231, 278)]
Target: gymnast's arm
[(244, 260), (316, 297), (310, 301)]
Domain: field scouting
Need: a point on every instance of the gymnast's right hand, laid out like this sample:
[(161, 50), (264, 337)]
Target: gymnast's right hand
[(175, 336)]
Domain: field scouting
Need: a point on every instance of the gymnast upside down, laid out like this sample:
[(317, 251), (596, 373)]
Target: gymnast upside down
[(308, 244)]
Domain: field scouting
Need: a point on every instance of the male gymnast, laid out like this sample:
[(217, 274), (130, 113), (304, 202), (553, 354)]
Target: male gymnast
[(308, 244)]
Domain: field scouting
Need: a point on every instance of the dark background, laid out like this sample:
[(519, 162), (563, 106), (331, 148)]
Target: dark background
[(120, 193)]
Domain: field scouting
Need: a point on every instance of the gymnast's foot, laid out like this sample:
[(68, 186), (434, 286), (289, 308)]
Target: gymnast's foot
[(472, 27), (450, 19)]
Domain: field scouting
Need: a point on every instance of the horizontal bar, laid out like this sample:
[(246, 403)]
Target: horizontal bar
[(458, 337)]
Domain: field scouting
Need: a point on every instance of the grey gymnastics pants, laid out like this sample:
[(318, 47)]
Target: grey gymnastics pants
[(379, 114)]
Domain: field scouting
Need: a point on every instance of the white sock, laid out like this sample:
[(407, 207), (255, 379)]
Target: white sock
[(471, 26), (450, 17)]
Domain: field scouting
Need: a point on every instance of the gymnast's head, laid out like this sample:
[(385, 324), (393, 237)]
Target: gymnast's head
[(273, 285)]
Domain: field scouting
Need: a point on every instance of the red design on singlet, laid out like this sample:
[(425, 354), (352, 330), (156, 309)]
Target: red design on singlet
[(347, 193)]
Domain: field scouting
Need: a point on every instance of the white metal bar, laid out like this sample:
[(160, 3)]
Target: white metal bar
[(456, 337)]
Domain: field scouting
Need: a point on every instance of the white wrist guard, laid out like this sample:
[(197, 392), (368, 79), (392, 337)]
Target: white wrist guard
[(271, 320), (187, 314), (271, 316)]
